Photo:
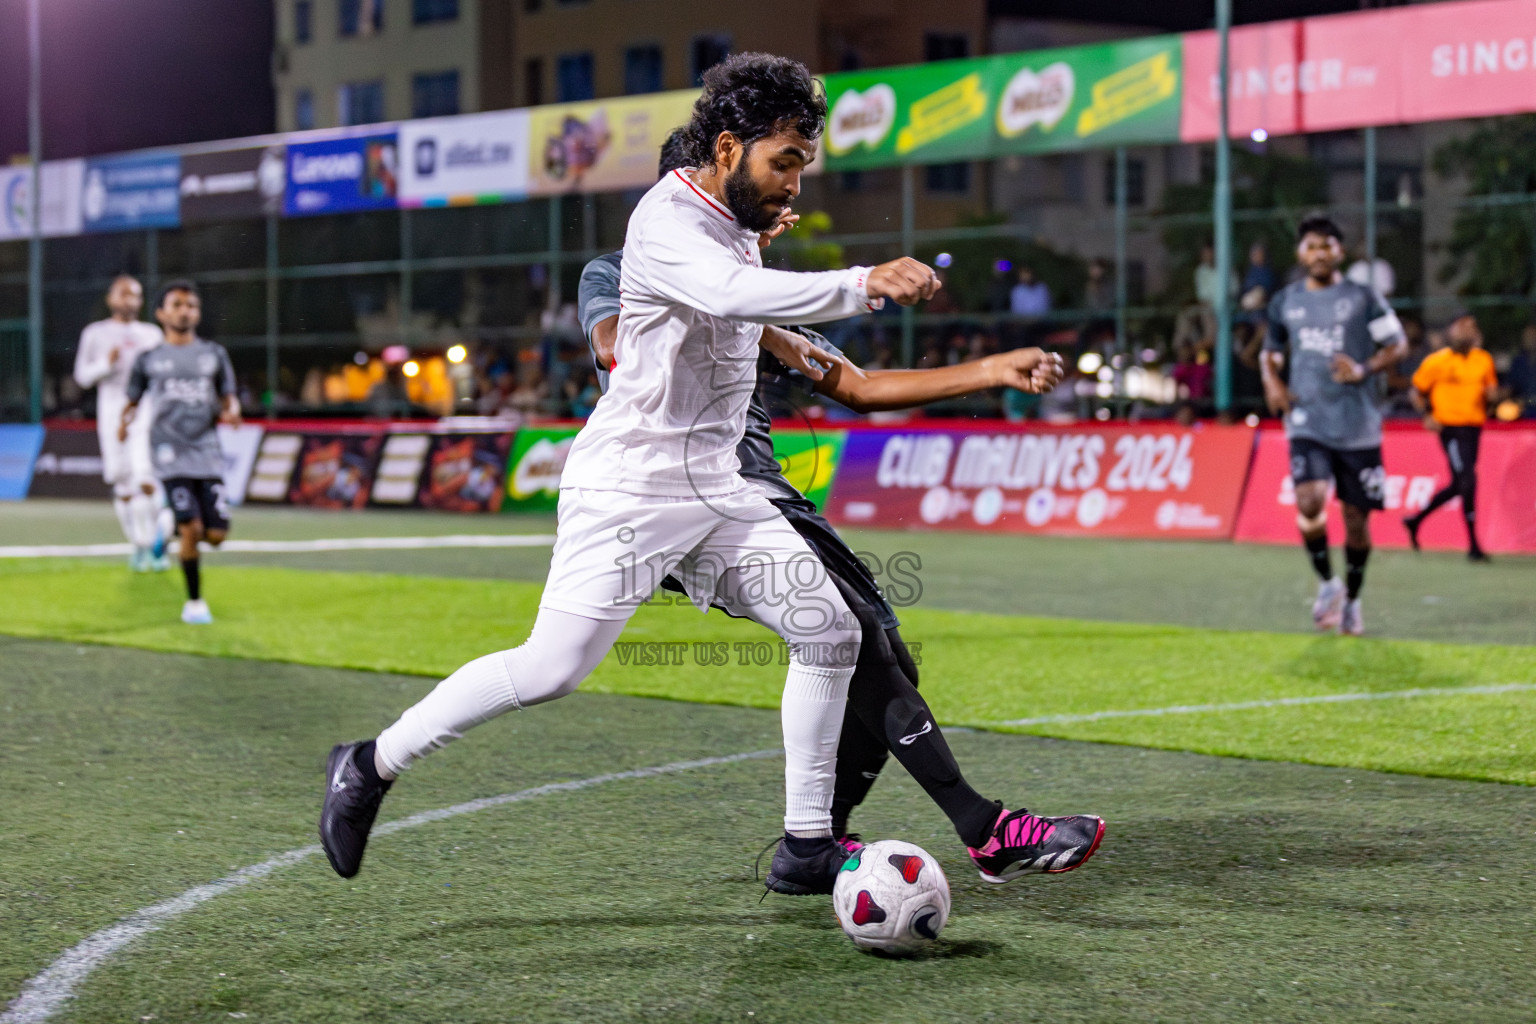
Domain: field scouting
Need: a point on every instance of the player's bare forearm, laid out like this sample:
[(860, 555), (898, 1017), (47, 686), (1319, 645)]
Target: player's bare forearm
[(1386, 356), (123, 422), (231, 413), (883, 390), (1276, 394), (605, 334)]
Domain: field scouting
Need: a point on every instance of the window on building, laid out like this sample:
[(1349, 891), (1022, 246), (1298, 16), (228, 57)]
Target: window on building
[(533, 82), (425, 12), (361, 103), (945, 46), (303, 15), (708, 50), (642, 70), (361, 17), (303, 110), (1135, 181), (573, 78), (435, 95), (952, 178)]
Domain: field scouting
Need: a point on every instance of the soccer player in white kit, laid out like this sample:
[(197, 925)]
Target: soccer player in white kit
[(651, 485), (105, 357)]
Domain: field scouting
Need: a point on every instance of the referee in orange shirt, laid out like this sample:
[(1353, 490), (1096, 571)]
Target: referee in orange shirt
[(1456, 384)]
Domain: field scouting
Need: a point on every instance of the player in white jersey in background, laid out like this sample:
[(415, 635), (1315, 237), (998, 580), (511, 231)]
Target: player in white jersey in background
[(105, 356), (651, 486)]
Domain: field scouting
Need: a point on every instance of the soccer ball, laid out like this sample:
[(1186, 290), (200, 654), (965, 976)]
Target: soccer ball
[(891, 897)]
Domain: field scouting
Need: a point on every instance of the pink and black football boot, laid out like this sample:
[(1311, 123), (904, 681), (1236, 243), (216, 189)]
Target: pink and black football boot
[(1026, 844)]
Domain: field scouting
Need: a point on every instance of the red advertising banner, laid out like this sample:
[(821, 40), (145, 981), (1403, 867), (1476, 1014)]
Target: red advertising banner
[(1416, 469), (1115, 481), (1426, 62)]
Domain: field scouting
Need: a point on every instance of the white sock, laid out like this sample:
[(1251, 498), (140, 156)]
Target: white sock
[(562, 650), (144, 511), (812, 715), (122, 506)]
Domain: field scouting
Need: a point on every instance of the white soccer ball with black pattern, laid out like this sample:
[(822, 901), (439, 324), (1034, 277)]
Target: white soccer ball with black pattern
[(891, 897)]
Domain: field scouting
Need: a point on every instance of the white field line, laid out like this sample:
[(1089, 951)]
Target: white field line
[(42, 996), (1278, 702), (454, 540)]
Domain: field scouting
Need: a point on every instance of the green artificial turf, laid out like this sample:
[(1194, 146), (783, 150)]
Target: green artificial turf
[(977, 669), (1226, 890)]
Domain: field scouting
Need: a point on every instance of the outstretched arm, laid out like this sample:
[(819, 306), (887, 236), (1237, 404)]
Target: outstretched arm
[(1027, 369)]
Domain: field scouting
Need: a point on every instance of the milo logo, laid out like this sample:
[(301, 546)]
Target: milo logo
[(1032, 98), (861, 118)]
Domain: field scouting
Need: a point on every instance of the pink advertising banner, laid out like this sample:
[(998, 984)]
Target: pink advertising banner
[(1428, 62)]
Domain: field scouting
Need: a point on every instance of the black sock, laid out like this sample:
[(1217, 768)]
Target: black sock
[(363, 761), (886, 700), (1317, 550), (189, 568), (1469, 514), (1354, 576)]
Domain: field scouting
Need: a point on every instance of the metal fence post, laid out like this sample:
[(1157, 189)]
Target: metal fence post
[(1223, 217)]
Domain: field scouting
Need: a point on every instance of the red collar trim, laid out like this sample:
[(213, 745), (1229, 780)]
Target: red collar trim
[(722, 211)]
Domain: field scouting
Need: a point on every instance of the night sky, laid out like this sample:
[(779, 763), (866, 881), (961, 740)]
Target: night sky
[(126, 74)]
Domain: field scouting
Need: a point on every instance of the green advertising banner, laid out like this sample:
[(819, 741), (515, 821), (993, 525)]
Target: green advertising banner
[(1041, 101), (809, 459), (534, 468)]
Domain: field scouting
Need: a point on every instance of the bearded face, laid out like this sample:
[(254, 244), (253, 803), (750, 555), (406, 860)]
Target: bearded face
[(754, 210)]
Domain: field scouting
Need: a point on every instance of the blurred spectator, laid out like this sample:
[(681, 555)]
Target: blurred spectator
[(934, 354), (531, 393), (1099, 301), (584, 399), (881, 359), (1258, 281), (1377, 274), (1521, 378), (999, 297), (1247, 381), (1196, 325), (497, 399), (1030, 297), (1193, 374)]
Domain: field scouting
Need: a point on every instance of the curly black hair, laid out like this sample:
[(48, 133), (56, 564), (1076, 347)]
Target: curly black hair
[(676, 152), (752, 96), (1318, 224)]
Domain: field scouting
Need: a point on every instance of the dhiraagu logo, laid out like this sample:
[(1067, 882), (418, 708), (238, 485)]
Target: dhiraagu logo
[(943, 112), (1128, 92)]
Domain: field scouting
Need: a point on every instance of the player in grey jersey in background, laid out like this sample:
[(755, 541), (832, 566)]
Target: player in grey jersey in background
[(1335, 335), (193, 387)]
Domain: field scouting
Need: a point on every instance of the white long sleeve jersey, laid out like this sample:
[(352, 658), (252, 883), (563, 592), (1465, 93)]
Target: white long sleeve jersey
[(94, 367), (693, 298)]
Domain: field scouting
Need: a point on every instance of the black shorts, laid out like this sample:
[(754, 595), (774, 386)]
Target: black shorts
[(1357, 473), (195, 500)]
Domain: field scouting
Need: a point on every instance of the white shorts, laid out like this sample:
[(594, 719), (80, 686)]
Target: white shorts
[(126, 462), (613, 549)]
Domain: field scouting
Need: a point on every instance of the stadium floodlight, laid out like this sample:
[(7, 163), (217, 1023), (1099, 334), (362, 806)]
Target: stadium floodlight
[(457, 354), (411, 368), (1258, 135), (1089, 362), (942, 260)]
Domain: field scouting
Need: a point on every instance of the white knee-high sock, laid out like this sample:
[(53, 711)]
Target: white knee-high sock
[(812, 715), (122, 507), (145, 513), (561, 651)]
